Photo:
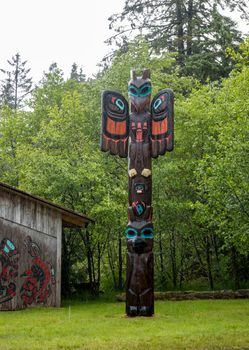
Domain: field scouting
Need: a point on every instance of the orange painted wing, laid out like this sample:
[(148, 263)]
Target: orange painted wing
[(115, 124), (162, 129)]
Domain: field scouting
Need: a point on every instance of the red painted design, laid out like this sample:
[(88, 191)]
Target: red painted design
[(159, 127), (116, 128), (38, 278), (139, 133), (9, 270), (36, 288)]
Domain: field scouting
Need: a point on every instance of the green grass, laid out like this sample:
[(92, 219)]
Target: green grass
[(202, 324)]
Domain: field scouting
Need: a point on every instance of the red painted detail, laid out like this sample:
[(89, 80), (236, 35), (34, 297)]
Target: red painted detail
[(9, 271), (113, 99), (138, 208), (36, 288), (159, 127), (108, 139), (116, 128), (139, 135)]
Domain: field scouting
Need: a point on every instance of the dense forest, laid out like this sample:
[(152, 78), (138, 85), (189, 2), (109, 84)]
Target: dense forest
[(49, 146)]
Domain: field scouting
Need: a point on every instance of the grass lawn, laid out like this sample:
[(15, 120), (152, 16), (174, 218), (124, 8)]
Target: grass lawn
[(202, 324)]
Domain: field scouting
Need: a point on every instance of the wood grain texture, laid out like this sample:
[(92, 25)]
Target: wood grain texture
[(34, 230)]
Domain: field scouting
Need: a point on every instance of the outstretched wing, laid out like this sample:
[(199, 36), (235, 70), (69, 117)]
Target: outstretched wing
[(115, 124), (162, 129)]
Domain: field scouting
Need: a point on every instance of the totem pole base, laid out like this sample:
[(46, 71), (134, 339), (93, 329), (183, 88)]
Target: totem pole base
[(139, 279), (133, 311)]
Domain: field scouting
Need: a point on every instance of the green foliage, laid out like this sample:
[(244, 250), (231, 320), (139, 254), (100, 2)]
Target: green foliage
[(240, 57), (164, 71), (223, 174), (196, 31)]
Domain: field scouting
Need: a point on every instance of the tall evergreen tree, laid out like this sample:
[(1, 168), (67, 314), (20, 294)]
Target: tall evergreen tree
[(207, 57), (17, 83), (79, 76), (187, 27)]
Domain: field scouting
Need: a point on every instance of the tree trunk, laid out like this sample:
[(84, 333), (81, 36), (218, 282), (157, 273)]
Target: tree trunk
[(99, 260), (120, 264), (235, 268), (190, 28), (173, 259), (181, 268), (162, 270), (180, 33), (111, 264), (86, 240), (209, 267), (217, 258), (65, 268), (16, 83)]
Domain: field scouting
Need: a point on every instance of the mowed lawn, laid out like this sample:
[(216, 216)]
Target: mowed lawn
[(203, 324)]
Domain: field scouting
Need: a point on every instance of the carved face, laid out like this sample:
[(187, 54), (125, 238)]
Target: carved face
[(139, 90), (139, 236)]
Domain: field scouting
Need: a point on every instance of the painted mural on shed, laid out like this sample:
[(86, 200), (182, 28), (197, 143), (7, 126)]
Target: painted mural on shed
[(30, 248)]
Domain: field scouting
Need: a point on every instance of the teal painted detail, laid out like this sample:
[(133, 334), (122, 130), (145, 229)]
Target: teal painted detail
[(140, 209), (144, 91), (157, 103), (10, 245), (133, 91), (131, 233), (147, 232), (6, 250), (120, 104)]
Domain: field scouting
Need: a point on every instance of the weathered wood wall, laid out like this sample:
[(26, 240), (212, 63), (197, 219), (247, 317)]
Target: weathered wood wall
[(30, 253)]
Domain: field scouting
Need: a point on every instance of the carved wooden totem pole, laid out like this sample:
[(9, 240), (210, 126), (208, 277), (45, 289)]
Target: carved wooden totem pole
[(145, 133)]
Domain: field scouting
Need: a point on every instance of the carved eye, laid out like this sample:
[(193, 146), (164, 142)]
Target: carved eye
[(131, 233), (133, 91), (145, 90), (120, 104), (157, 103), (147, 232)]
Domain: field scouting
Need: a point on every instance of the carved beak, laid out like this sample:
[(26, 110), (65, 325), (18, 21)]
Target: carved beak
[(139, 244)]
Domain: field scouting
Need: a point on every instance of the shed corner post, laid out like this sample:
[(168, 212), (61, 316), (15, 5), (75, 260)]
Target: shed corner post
[(58, 262)]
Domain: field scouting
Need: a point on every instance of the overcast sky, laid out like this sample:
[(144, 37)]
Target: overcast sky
[(62, 31)]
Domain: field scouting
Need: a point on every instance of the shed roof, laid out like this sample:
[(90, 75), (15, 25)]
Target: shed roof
[(70, 218)]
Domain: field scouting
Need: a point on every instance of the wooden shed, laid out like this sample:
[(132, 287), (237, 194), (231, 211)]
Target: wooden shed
[(30, 248)]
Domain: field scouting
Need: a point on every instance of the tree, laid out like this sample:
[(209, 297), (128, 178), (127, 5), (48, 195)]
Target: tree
[(17, 84), (187, 27), (207, 57), (79, 76)]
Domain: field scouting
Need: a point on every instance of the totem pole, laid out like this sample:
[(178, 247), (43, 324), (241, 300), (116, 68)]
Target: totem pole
[(144, 133)]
